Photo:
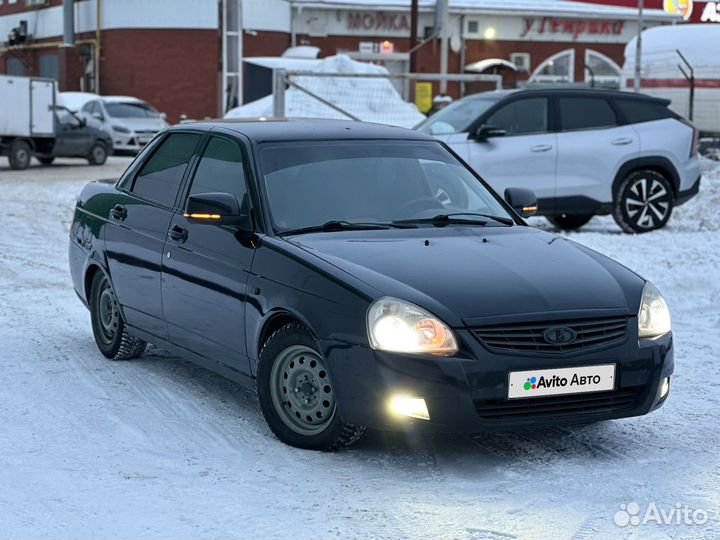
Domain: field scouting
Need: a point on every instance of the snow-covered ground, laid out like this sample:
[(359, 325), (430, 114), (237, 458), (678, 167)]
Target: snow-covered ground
[(160, 448)]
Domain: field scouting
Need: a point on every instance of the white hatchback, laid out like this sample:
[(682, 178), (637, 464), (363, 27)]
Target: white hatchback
[(584, 152)]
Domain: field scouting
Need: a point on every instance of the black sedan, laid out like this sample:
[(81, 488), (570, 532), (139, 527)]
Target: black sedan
[(362, 276)]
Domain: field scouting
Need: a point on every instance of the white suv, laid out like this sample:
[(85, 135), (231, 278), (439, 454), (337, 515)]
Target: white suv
[(583, 152)]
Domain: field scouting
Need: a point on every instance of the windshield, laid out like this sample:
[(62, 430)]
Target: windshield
[(311, 184), (131, 110), (456, 117)]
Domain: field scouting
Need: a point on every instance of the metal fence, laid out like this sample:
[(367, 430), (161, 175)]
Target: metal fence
[(376, 97)]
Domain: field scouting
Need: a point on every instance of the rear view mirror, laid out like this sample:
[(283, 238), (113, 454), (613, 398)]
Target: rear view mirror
[(522, 200), (216, 208), (484, 132)]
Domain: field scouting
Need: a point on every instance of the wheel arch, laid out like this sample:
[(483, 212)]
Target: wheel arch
[(658, 164), (275, 320)]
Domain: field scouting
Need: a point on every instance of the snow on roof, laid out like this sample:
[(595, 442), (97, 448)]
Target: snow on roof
[(75, 100), (660, 59), (370, 100), (283, 62), (524, 7)]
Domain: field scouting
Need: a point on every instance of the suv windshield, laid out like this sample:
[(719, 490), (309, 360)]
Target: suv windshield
[(370, 182), (456, 117), (130, 110)]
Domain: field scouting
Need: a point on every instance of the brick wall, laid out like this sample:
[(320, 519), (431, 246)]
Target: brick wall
[(177, 71)]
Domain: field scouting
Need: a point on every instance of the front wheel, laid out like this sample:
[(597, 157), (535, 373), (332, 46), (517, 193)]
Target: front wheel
[(569, 222), (643, 202), (98, 154), (20, 155), (296, 394), (108, 326)]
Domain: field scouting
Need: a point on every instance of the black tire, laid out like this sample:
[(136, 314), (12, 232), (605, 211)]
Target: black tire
[(46, 160), (316, 423), (643, 202), (108, 326), (98, 154), (570, 222), (20, 155)]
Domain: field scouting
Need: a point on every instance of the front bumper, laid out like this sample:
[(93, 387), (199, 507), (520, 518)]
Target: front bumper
[(468, 393)]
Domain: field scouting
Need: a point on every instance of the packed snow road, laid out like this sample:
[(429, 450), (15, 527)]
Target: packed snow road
[(160, 448)]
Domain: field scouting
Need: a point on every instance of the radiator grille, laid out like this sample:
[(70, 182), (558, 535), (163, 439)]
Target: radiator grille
[(530, 337)]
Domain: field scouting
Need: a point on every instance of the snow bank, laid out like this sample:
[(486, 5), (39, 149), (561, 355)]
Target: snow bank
[(370, 100)]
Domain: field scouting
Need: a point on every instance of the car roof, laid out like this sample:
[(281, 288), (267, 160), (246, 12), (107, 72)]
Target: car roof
[(121, 99), (565, 90), (284, 129)]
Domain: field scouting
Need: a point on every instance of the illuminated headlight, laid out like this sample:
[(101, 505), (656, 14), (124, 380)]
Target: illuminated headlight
[(397, 326), (654, 316)]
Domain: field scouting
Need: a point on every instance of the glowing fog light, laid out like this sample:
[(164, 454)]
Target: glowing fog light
[(665, 387), (409, 406)]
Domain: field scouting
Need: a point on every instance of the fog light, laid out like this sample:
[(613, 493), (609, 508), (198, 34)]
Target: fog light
[(409, 406), (665, 387)]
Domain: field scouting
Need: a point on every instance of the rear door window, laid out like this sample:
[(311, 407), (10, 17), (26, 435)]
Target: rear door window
[(521, 117), (160, 177), (636, 111), (578, 113)]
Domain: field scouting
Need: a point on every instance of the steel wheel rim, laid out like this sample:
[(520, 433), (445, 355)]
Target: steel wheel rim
[(108, 313), (648, 203), (23, 156), (301, 391)]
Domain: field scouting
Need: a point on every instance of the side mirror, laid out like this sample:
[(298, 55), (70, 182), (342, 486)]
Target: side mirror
[(484, 132), (98, 116), (218, 208), (522, 200)]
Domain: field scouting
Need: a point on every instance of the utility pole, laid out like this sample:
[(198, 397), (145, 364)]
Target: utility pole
[(413, 33), (638, 47)]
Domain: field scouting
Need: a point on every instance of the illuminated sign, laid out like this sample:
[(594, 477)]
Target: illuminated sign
[(679, 7)]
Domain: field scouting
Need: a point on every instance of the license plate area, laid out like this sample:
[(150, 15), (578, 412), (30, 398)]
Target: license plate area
[(561, 381)]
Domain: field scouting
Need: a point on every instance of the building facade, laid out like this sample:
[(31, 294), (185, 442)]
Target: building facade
[(173, 53)]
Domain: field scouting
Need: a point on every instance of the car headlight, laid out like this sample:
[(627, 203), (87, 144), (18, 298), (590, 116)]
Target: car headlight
[(397, 326), (121, 129), (654, 316)]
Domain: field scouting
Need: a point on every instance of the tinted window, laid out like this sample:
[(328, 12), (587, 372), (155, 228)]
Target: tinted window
[(160, 177), (585, 113), (635, 110), (521, 117), (220, 170), (308, 184)]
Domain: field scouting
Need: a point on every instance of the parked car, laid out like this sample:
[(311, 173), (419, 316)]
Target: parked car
[(34, 125), (584, 152), (362, 276), (131, 121)]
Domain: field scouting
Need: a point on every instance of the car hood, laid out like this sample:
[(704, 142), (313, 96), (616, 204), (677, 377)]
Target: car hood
[(142, 124), (473, 275)]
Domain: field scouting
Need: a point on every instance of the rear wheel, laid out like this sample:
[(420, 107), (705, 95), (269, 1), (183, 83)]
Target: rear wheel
[(20, 155), (98, 154), (108, 326), (570, 222), (296, 394), (643, 202), (46, 160)]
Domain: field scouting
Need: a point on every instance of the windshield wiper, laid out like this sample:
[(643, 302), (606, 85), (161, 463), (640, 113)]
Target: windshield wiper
[(337, 225), (444, 219)]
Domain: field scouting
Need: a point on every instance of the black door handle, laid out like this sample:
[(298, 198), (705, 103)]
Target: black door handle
[(118, 212), (178, 234)]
